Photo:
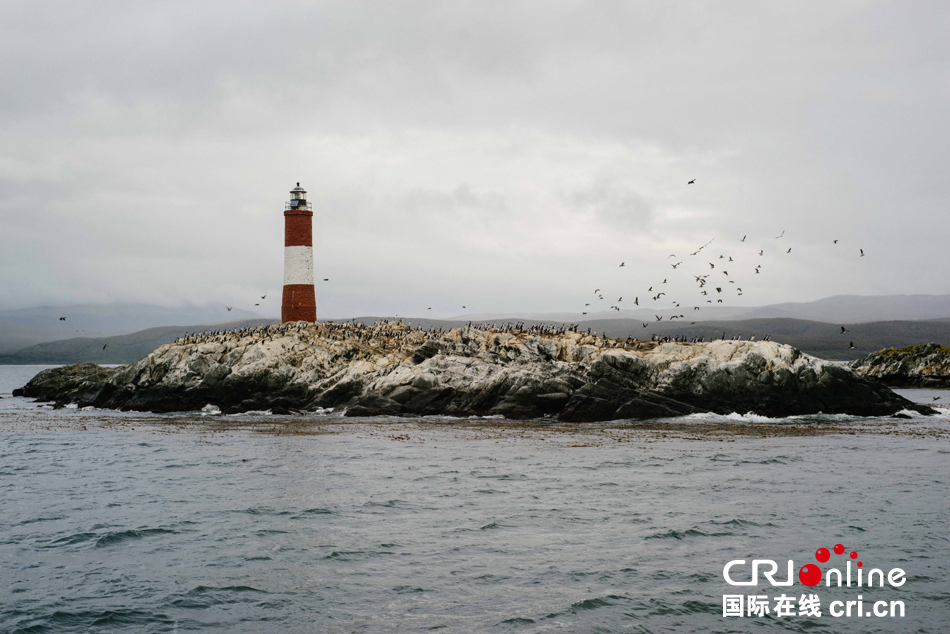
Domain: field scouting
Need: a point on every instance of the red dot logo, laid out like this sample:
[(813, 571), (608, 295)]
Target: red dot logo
[(854, 555), (822, 555), (810, 574), (860, 564), (839, 549)]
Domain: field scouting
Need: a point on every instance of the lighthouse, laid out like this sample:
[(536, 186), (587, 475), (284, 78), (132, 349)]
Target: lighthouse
[(299, 302)]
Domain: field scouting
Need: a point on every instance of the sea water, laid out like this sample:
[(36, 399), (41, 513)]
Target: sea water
[(124, 521)]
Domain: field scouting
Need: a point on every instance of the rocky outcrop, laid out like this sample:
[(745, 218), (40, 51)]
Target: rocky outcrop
[(914, 366), (392, 369)]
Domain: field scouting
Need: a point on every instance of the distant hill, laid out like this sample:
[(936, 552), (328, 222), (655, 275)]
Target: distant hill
[(29, 326), (845, 309), (118, 348), (820, 339)]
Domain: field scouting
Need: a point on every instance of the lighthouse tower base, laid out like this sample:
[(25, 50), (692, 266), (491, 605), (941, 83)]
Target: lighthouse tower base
[(299, 303)]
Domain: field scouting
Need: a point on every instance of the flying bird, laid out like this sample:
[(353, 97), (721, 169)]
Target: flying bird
[(105, 346), (850, 345), (645, 325), (862, 252), (596, 290), (623, 264), (760, 253), (836, 242), (743, 239), (658, 318), (636, 301), (711, 265), (257, 304), (779, 236), (843, 330), (326, 279), (936, 398), (263, 296), (62, 319), (229, 308), (789, 250), (691, 182)]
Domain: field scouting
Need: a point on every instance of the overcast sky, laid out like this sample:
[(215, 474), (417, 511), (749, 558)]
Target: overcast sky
[(504, 156)]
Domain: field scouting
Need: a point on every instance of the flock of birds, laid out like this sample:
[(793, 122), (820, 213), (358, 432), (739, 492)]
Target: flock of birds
[(394, 334), (710, 288)]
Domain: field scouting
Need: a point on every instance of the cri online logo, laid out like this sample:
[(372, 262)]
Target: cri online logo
[(810, 574)]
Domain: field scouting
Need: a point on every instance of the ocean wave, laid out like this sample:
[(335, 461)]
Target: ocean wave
[(111, 539), (680, 535)]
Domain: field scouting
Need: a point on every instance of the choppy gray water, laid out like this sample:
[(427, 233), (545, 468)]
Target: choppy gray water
[(393, 527)]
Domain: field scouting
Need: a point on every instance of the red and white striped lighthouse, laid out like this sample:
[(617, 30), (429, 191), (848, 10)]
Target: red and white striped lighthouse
[(299, 302)]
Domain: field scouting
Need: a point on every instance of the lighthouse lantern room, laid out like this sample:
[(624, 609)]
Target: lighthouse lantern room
[(299, 300)]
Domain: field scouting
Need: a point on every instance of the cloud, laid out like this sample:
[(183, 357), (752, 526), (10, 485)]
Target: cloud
[(508, 153)]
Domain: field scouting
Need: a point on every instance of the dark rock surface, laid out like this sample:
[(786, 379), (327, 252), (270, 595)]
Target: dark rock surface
[(914, 366), (391, 369)]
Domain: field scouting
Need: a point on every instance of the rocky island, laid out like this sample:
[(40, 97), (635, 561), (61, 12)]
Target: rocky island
[(915, 366), (390, 368)]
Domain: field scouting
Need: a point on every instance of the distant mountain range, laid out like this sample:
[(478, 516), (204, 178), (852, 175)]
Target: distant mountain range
[(115, 349), (29, 326), (846, 309)]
